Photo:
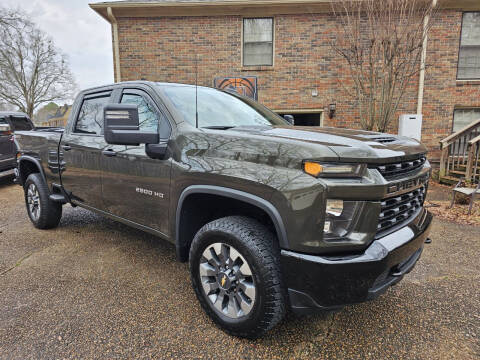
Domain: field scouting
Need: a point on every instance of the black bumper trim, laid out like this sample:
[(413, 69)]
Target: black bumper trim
[(327, 283)]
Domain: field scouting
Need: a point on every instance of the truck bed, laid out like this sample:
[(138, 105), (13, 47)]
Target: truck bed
[(42, 145)]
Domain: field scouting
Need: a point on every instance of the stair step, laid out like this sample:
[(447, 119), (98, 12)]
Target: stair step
[(464, 167), (463, 172), (449, 180)]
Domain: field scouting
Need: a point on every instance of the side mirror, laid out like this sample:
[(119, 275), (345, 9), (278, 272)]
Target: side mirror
[(289, 118), (121, 126), (5, 129)]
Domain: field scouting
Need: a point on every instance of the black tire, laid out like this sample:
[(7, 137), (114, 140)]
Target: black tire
[(49, 212), (255, 243)]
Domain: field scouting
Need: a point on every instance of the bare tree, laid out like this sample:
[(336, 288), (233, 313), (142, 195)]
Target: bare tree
[(381, 44), (32, 70)]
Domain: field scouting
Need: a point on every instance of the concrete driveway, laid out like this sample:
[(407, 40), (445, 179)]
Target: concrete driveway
[(93, 288)]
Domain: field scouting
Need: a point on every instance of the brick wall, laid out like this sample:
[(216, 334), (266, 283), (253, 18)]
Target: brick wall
[(442, 91), (164, 49)]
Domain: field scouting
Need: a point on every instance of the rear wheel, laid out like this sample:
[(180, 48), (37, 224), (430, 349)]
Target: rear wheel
[(43, 212), (235, 270)]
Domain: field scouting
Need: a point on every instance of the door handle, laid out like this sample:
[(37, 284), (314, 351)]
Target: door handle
[(109, 153), (66, 147)]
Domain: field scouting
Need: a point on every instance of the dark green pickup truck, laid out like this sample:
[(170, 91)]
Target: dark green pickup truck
[(270, 216)]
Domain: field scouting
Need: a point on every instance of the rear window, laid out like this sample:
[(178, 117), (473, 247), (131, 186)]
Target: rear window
[(21, 124), (90, 118)]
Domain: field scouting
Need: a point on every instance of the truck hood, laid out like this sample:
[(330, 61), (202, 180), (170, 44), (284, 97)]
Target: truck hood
[(348, 145)]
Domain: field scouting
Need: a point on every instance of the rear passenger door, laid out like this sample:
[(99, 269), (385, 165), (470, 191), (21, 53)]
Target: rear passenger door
[(81, 147), (136, 187)]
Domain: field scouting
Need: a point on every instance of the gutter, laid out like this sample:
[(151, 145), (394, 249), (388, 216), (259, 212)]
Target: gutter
[(116, 48), (421, 80)]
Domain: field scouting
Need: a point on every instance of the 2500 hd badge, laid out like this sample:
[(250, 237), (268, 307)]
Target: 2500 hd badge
[(269, 216), (149, 192)]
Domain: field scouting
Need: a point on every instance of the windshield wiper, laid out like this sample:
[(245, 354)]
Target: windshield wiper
[(217, 127)]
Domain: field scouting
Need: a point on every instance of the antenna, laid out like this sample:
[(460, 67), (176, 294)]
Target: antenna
[(196, 91)]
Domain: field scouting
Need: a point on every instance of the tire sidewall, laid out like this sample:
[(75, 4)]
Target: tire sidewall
[(35, 179), (206, 238)]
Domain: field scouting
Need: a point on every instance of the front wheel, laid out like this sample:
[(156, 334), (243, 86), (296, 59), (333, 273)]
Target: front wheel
[(43, 212), (235, 270)]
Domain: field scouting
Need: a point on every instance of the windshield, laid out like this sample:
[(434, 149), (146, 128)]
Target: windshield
[(219, 109)]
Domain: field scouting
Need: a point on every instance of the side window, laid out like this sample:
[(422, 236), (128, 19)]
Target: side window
[(21, 124), (90, 118), (148, 116)]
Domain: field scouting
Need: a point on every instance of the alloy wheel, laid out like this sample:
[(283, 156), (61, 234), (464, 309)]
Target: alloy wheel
[(33, 201), (227, 280)]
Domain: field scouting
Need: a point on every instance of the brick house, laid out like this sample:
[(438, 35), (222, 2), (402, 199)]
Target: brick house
[(290, 58)]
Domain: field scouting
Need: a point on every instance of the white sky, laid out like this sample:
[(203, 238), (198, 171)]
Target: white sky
[(79, 32)]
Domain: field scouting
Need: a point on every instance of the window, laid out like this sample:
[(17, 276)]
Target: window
[(90, 118), (219, 109), (147, 115), (464, 117), (469, 55), (21, 124), (258, 42)]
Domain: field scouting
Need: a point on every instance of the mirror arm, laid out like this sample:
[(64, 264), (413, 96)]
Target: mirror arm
[(156, 151)]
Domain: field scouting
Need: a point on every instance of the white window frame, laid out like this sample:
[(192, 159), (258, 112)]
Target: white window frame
[(243, 41), (465, 46)]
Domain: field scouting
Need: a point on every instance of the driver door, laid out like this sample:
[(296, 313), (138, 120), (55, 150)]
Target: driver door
[(134, 186)]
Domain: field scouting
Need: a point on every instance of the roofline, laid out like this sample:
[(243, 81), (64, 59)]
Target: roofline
[(236, 7)]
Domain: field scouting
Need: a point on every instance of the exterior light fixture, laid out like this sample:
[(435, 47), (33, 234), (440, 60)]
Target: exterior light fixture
[(332, 108)]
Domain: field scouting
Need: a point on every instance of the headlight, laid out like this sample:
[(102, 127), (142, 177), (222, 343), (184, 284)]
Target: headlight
[(318, 169), (338, 217)]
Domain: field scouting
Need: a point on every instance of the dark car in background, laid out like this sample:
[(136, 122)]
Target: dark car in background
[(9, 123)]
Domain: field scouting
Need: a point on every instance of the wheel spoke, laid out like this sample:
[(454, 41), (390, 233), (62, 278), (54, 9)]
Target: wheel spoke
[(207, 270), (219, 301), (232, 308), (245, 269), (245, 305), (248, 289), (209, 287), (234, 256), (224, 254)]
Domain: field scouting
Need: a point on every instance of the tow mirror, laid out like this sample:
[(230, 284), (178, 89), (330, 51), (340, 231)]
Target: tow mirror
[(289, 118), (5, 129), (121, 126)]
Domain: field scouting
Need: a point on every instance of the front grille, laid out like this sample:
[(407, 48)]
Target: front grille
[(399, 209), (400, 168)]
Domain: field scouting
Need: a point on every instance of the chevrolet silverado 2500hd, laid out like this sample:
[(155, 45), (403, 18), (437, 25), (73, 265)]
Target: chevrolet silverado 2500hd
[(269, 216)]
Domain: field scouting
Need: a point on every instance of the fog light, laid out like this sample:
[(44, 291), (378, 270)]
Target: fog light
[(338, 217), (326, 226), (334, 207)]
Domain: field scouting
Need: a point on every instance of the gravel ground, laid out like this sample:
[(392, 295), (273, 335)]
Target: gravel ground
[(93, 288)]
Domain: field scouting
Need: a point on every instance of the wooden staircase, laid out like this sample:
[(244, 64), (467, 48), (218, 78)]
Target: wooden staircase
[(460, 155)]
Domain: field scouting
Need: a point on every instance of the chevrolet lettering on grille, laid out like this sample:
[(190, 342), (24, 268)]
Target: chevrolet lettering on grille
[(407, 184)]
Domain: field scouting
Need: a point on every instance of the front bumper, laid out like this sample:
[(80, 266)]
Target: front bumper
[(329, 282)]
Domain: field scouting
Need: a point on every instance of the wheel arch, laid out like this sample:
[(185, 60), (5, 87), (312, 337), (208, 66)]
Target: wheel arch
[(183, 234), (28, 165)]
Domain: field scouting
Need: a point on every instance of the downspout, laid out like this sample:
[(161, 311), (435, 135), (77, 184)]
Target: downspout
[(116, 49), (423, 60)]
